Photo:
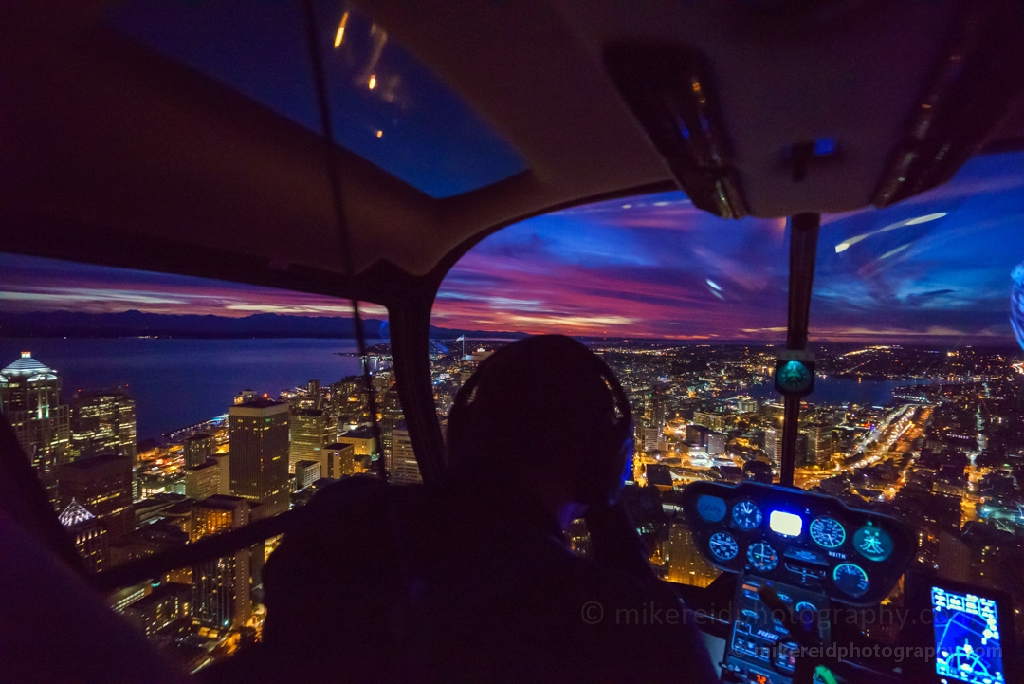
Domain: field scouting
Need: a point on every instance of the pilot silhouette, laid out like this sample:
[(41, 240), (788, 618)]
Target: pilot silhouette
[(471, 578)]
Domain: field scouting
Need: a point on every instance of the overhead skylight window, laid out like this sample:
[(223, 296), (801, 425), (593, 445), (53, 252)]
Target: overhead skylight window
[(386, 106)]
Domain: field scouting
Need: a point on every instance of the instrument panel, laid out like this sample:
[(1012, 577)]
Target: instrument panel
[(805, 539)]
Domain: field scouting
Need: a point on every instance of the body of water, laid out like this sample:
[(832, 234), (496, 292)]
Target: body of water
[(177, 382), (842, 390)]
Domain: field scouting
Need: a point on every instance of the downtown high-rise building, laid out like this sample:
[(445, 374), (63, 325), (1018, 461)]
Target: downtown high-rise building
[(198, 447), (221, 592), (401, 463), (203, 481), (716, 443), (683, 560), (104, 485), (306, 473), (309, 430), (258, 447), (773, 445), (103, 423), (819, 444), (311, 400), (337, 460), (391, 417), (30, 401), (657, 406), (89, 535)]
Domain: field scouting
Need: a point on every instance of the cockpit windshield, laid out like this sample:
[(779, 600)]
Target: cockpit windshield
[(913, 324)]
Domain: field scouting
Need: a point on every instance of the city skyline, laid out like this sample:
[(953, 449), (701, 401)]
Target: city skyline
[(934, 269)]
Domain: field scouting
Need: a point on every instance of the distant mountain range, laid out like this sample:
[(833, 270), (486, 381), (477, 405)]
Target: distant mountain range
[(267, 325)]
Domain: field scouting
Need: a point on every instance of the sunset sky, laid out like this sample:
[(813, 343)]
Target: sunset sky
[(934, 268)]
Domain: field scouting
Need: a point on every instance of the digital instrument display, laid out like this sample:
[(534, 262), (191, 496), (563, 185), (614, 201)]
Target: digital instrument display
[(786, 524), (967, 639)]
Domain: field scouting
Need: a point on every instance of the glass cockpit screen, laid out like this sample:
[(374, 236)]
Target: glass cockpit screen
[(967, 643)]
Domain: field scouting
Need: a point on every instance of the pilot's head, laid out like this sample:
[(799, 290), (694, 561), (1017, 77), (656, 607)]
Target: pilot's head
[(544, 408)]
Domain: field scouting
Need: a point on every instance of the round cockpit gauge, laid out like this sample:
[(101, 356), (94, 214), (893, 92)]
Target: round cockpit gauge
[(828, 532), (746, 515), (762, 557), (723, 546), (851, 579), (873, 543), (806, 613), (805, 607)]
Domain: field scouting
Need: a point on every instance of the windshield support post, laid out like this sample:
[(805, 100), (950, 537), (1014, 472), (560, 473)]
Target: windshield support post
[(803, 246), (410, 354)]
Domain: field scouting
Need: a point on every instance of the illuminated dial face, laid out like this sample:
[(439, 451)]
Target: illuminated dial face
[(828, 532), (873, 543), (804, 607), (851, 579), (723, 546), (762, 557), (746, 515)]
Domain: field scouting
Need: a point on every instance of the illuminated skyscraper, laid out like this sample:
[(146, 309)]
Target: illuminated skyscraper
[(337, 460), (221, 596), (89, 535), (103, 485), (306, 473), (223, 462), (258, 435), (312, 398), (657, 406), (198, 448), (30, 400), (716, 443), (685, 562), (819, 445), (202, 481), (402, 467), (103, 423), (309, 430), (773, 445), (391, 416)]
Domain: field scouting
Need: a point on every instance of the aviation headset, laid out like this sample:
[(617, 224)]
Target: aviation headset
[(546, 396)]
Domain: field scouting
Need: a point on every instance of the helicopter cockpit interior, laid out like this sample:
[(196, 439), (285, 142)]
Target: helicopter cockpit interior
[(359, 151)]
